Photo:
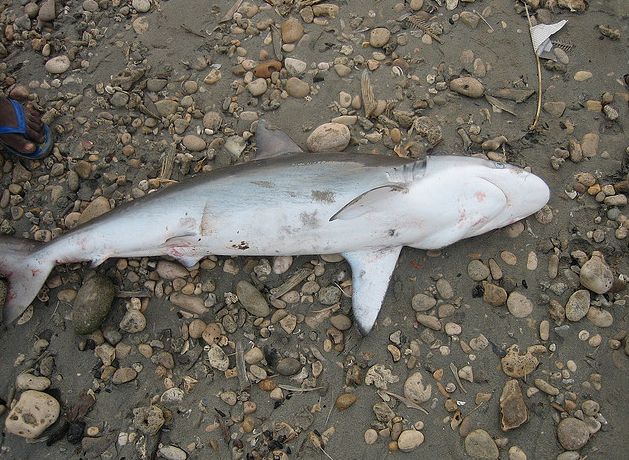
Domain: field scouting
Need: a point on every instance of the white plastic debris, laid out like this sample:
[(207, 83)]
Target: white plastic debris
[(540, 35)]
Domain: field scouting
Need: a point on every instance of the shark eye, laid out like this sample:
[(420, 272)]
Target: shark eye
[(498, 165)]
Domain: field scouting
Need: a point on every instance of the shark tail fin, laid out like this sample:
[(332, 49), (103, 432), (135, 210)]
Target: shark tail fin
[(25, 266)]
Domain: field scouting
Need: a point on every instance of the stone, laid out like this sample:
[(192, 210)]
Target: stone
[(379, 37), (578, 305), (444, 288), (516, 453), (513, 409), (416, 390), (295, 67), (32, 414), (149, 420), (341, 322), (596, 275), (90, 5), (96, 208), (26, 381), (469, 19), (171, 270), (477, 270), (518, 305), (573, 433), (600, 317), (297, 88), (212, 120), (141, 6), (410, 440), (467, 86), (329, 136), (57, 65), (582, 75), (288, 366), (191, 303), (47, 11), (212, 333), (494, 295), (124, 375), (371, 436), (345, 400), (423, 302), (172, 453), (172, 395), (193, 143), (257, 87), (217, 357), (133, 322), (556, 109), (92, 304), (518, 365), (251, 299), (478, 444), (589, 144), (292, 30)]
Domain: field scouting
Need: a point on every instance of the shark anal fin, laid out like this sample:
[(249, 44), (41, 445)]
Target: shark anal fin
[(375, 198), (273, 142), (371, 273)]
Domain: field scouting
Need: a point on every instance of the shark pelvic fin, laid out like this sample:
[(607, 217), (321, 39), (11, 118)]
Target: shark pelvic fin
[(272, 142), (371, 273)]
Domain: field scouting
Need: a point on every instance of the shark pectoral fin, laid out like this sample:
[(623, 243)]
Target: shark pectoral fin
[(371, 273), (273, 142), (365, 202), (188, 261)]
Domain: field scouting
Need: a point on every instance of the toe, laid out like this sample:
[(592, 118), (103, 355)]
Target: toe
[(19, 143), (35, 132)]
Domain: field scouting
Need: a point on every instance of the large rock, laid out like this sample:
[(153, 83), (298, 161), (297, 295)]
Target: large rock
[(573, 433), (596, 274), (34, 412), (328, 136), (512, 406), (92, 304)]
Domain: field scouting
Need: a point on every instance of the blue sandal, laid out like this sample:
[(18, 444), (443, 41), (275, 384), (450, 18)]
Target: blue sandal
[(42, 149)]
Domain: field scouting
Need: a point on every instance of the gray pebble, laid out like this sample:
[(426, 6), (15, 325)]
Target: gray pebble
[(92, 304)]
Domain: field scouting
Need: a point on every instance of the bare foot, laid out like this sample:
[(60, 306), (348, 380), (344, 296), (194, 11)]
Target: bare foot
[(34, 127)]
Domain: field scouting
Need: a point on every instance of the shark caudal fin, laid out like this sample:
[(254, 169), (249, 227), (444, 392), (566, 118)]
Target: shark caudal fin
[(25, 267)]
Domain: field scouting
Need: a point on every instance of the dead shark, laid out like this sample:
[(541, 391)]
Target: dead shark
[(287, 202)]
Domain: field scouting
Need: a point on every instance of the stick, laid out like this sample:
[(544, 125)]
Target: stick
[(539, 75)]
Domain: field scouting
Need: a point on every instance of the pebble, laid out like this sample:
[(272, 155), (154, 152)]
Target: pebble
[(379, 37), (148, 420), (57, 65), (596, 275), (329, 136), (518, 365), (508, 258), (494, 295), (141, 6), (133, 322), (478, 444), (172, 453), (423, 302), (292, 30), (341, 322), (295, 67), (32, 414), (573, 433), (47, 11), (288, 366), (297, 88), (429, 321), (578, 305), (582, 75), (193, 143), (477, 270), (217, 357), (416, 390), (556, 109), (518, 305), (124, 375), (467, 86), (345, 400), (257, 87), (546, 387), (444, 288), (513, 408), (171, 270), (92, 304), (26, 381), (371, 436), (516, 453), (600, 317), (589, 144), (251, 299), (96, 208), (410, 440)]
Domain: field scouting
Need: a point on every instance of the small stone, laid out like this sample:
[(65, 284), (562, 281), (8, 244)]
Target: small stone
[(32, 414), (171, 270), (191, 303), (90, 5), (546, 387), (596, 275), (212, 333), (416, 5), (345, 400), (213, 77), (371, 436), (257, 87), (172, 453), (295, 67), (141, 6), (467, 86), (251, 299), (429, 321), (297, 88), (26, 381), (600, 317), (518, 305), (573, 433), (478, 444), (477, 270), (379, 37), (518, 365), (96, 208), (148, 420), (410, 440), (133, 321), (124, 375), (212, 120), (582, 75), (92, 304), (47, 11), (58, 64), (513, 409), (415, 390), (193, 143), (578, 305), (291, 30), (254, 356), (423, 302), (556, 109), (589, 144), (288, 366), (329, 136), (494, 295), (469, 19), (516, 453), (341, 322), (217, 357), (444, 288)]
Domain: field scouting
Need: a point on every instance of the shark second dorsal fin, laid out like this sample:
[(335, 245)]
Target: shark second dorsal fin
[(272, 142), (371, 273)]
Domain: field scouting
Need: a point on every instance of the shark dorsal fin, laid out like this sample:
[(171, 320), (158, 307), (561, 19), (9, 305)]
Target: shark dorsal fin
[(271, 142)]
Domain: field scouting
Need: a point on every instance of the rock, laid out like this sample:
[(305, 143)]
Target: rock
[(171, 270), (469, 19), (513, 409), (172, 396), (467, 86), (578, 305), (149, 420), (257, 87), (518, 365), (265, 69), (191, 303), (141, 6), (329, 136), (573, 433), (596, 275), (92, 304), (415, 390), (212, 333), (518, 305), (516, 453), (124, 375), (429, 321), (213, 76), (379, 37), (32, 414), (297, 88), (58, 64), (217, 357), (494, 295), (383, 412), (345, 400), (96, 208), (251, 299), (90, 5), (600, 317), (212, 120), (556, 109), (582, 75), (295, 67), (47, 11), (477, 270), (589, 144), (281, 264), (133, 322), (291, 30), (26, 381), (341, 322), (410, 440), (172, 453), (371, 436), (288, 366), (444, 288), (423, 302), (478, 444), (193, 143)]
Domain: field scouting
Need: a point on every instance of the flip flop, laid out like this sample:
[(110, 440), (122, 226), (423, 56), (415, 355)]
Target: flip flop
[(42, 149)]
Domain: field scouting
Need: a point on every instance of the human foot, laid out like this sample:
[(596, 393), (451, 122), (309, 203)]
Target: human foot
[(22, 131)]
